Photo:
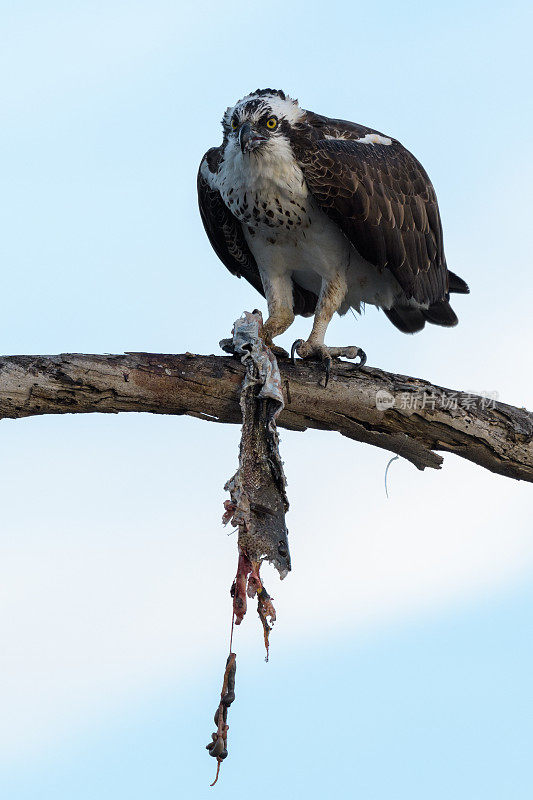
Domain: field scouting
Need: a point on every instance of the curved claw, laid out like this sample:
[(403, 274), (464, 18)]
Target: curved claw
[(328, 370), (294, 347), (362, 356)]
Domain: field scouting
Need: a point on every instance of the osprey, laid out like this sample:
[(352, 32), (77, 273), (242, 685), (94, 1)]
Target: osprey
[(322, 215)]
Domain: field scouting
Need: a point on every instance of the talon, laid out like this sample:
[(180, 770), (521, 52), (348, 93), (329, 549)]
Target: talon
[(362, 356), (294, 347), (320, 352), (328, 370)]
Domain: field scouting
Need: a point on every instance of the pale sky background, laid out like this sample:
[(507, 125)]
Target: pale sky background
[(402, 657)]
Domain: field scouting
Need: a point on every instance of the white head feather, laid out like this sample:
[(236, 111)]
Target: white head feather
[(283, 108)]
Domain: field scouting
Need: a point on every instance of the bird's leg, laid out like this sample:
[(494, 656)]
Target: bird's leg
[(277, 323), (278, 291), (332, 294)]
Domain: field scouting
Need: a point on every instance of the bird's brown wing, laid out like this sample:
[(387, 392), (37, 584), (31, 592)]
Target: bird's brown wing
[(224, 232), (381, 198), (227, 239)]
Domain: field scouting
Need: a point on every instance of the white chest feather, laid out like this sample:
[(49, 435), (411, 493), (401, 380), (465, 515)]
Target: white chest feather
[(287, 232), (265, 191)]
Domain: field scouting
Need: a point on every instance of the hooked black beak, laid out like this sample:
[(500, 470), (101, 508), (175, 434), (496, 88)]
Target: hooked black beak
[(249, 139)]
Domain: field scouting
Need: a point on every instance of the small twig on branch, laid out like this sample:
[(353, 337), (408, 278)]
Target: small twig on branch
[(367, 405)]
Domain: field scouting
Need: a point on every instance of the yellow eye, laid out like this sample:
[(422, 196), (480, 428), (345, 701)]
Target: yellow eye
[(272, 123), (234, 124)]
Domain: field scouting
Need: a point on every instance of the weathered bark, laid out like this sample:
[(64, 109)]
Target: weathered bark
[(499, 438)]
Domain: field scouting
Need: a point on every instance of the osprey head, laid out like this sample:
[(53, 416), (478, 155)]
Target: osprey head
[(260, 120)]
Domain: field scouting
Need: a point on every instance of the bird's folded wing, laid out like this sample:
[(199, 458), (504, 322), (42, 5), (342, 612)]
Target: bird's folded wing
[(225, 234), (382, 199)]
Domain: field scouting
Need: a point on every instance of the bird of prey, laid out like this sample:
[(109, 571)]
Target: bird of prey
[(322, 215)]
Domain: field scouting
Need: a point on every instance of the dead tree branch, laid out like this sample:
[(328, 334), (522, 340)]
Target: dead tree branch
[(496, 436)]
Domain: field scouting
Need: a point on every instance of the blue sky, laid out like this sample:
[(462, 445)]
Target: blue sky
[(429, 709), (412, 615)]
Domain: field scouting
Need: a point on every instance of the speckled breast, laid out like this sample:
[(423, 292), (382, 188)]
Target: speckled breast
[(258, 210)]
